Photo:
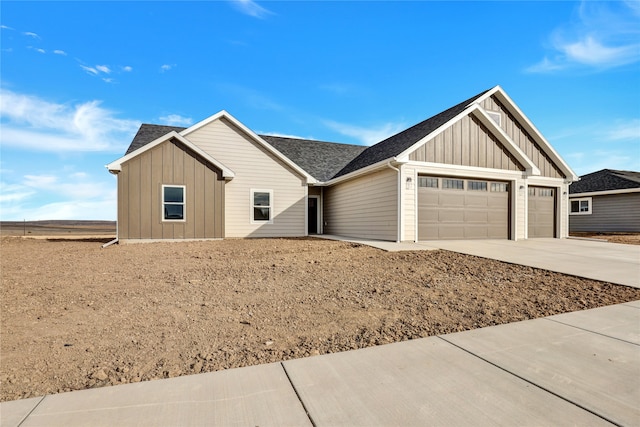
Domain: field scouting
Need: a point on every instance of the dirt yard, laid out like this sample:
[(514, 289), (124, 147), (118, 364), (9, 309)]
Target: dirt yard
[(76, 316), (625, 238)]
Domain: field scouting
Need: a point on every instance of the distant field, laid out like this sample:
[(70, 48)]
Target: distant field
[(57, 228)]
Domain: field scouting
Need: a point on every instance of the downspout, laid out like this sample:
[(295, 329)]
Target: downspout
[(117, 223), (398, 202)]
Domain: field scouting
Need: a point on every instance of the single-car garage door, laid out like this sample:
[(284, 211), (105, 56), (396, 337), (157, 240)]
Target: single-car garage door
[(541, 212), (455, 208)]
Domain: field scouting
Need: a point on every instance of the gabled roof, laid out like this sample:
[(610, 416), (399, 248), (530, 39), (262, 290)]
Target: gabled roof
[(148, 133), (606, 180), (320, 159), (399, 142), (116, 166)]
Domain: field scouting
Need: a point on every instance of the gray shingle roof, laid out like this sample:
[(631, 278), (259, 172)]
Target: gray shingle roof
[(320, 159), (605, 180), (148, 133), (397, 143)]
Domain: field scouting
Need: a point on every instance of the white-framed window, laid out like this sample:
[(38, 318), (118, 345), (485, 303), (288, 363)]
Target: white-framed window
[(173, 202), (427, 182), (453, 184), (499, 187), (495, 116), (477, 185), (262, 206), (580, 206)]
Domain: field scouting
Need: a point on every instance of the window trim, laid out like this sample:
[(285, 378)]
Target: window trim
[(184, 203), (252, 206), (589, 201)]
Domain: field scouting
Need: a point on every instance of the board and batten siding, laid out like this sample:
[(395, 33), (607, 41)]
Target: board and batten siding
[(140, 195), (365, 207), (523, 140), (609, 213), (466, 142), (255, 169)]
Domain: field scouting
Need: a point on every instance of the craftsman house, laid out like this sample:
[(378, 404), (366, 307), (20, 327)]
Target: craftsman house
[(479, 170), (605, 201)]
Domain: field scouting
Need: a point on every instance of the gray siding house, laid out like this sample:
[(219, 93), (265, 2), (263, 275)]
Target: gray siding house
[(605, 201), (478, 170)]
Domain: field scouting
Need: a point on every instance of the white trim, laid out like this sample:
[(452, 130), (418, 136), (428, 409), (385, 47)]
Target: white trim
[(184, 203), (252, 191), (605, 193), (363, 171), (254, 136), (116, 166), (589, 210), (466, 171)]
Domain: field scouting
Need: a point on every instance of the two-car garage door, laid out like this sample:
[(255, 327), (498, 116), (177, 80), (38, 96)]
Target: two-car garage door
[(456, 208)]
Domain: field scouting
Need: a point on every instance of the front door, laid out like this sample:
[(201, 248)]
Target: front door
[(312, 225)]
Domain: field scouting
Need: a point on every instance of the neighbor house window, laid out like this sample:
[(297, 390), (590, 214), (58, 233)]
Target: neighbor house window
[(581, 206), (173, 197), (455, 184), (428, 182), (262, 206), (477, 185)]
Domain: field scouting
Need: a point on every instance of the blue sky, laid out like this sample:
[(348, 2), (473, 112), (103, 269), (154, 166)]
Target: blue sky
[(77, 79)]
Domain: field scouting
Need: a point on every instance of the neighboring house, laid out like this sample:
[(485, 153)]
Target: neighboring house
[(475, 171), (605, 201)]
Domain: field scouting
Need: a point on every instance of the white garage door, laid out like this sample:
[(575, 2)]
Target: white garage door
[(541, 212), (456, 208)]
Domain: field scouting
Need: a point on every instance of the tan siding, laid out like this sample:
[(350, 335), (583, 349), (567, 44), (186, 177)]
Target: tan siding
[(522, 138), (364, 207), (140, 194), (254, 168), (466, 143)]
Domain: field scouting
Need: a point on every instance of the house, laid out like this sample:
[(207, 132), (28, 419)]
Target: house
[(478, 170), (605, 201)]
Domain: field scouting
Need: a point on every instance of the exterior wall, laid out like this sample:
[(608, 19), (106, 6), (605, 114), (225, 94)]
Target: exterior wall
[(140, 195), (610, 213), (254, 168), (365, 207), (523, 139), (467, 142)]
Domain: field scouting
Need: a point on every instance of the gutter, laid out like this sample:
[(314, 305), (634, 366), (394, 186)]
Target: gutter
[(398, 202)]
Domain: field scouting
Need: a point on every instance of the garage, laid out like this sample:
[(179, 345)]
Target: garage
[(456, 208), (541, 212)]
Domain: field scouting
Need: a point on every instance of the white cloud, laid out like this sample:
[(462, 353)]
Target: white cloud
[(36, 124), (624, 130), (89, 70), (176, 120), (32, 35), (251, 8), (166, 67), (367, 135), (127, 69), (60, 52), (103, 69), (4, 27), (606, 35)]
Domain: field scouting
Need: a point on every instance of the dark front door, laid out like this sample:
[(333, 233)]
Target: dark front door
[(313, 216)]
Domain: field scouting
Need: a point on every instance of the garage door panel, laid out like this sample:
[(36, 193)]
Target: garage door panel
[(541, 212), (462, 213)]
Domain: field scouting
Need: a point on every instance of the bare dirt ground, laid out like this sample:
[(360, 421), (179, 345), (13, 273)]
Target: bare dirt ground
[(625, 238), (76, 316)]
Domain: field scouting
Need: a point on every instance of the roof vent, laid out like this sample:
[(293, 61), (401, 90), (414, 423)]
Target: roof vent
[(496, 117)]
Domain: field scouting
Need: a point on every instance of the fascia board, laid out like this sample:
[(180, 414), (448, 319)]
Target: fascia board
[(379, 165), (116, 166), (535, 133), (252, 135), (497, 131), (605, 193)]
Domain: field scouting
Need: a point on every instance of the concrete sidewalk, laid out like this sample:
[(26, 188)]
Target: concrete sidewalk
[(598, 260), (580, 368)]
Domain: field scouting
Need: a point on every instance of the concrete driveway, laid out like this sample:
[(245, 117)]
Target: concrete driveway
[(609, 262)]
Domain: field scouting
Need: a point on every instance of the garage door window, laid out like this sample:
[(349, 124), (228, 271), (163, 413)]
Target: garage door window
[(427, 182), (499, 187), (477, 185), (453, 184)]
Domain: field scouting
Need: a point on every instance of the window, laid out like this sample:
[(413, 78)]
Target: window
[(454, 184), (545, 192), (499, 187), (426, 181), (495, 116), (581, 206), (532, 191), (261, 206), (477, 185), (173, 197)]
